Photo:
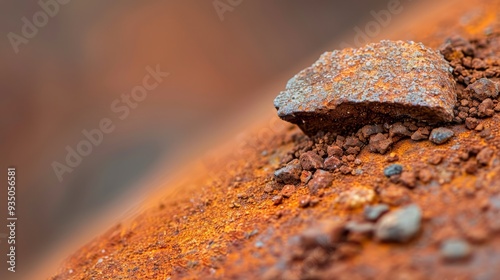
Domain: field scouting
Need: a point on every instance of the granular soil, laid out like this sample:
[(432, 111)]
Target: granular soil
[(476, 69), (382, 202)]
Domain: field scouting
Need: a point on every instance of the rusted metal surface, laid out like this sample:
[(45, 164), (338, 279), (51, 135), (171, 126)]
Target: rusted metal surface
[(227, 224), (383, 81)]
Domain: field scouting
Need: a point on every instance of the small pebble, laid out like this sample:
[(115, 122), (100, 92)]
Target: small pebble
[(392, 157), (277, 199), (455, 250), (290, 174), (408, 179), (305, 176), (268, 188), (311, 161), (400, 225), (304, 201), (485, 156), (335, 151), (393, 169), (421, 134), (332, 163), (425, 175), (287, 191), (441, 135), (435, 159), (321, 179)]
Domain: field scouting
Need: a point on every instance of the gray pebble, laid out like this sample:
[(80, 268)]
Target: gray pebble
[(441, 135), (400, 225), (372, 213), (393, 169), (455, 249)]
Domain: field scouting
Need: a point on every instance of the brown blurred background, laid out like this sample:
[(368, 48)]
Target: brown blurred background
[(65, 78)]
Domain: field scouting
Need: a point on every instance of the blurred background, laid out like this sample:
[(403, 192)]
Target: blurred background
[(85, 55)]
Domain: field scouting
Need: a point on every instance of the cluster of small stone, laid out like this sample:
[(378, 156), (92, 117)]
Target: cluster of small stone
[(316, 160), (330, 241), (475, 68)]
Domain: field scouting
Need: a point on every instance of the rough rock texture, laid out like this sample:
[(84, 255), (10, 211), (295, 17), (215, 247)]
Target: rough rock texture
[(346, 89)]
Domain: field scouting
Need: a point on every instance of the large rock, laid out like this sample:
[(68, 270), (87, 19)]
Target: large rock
[(345, 90)]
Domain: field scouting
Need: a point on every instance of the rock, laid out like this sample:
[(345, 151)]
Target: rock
[(385, 81), (335, 151), (305, 176), (441, 135), (311, 161), (351, 142), (287, 191), (421, 134), (393, 157), (394, 195), (479, 64), (486, 108), (321, 179), (455, 249), (325, 234), (393, 169), (471, 123), (379, 143), (425, 175), (353, 150), (435, 159), (471, 166), (290, 174), (369, 130), (355, 197), (373, 213), (408, 179), (344, 169), (400, 225), (304, 201), (484, 88), (485, 156), (277, 199), (332, 163), (399, 130)]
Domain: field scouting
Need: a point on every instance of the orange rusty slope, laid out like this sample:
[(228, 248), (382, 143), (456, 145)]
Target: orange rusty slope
[(220, 222)]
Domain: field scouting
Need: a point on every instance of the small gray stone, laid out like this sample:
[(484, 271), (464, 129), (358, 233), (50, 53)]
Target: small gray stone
[(400, 225), (393, 169), (372, 213), (441, 135), (455, 250)]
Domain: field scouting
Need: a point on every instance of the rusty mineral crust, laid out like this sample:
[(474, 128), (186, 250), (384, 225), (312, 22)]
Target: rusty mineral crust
[(389, 80)]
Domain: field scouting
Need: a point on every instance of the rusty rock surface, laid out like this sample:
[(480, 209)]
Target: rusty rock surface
[(346, 89)]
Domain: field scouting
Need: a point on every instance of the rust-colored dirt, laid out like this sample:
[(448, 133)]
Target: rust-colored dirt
[(226, 222)]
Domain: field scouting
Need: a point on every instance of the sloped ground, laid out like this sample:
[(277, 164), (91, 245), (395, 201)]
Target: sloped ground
[(238, 221)]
